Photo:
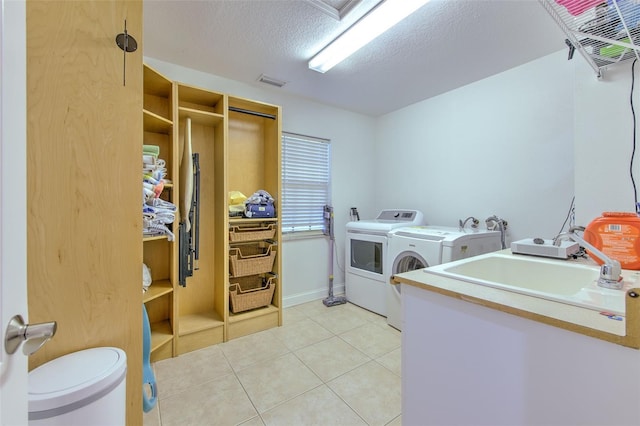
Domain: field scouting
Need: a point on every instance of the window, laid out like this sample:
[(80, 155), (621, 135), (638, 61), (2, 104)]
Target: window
[(306, 179)]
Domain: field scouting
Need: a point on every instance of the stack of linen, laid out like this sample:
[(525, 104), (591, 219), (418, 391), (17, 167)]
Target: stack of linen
[(156, 212)]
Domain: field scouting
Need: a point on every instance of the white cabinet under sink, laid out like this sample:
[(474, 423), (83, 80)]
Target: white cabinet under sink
[(463, 363)]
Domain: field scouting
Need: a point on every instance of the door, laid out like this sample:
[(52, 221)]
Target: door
[(366, 254), (84, 151), (404, 262), (13, 270), (365, 271)]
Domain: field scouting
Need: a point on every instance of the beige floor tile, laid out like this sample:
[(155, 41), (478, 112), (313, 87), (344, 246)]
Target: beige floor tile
[(368, 315), (371, 339), (222, 401), (339, 319), (247, 350), (319, 406), (315, 308), (372, 391), (361, 368), (387, 327), (331, 358), (303, 333), (396, 422), (152, 418), (174, 375), (292, 315), (257, 421), (269, 383), (392, 361)]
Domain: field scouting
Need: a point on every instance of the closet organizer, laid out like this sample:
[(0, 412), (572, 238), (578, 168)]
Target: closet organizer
[(220, 278)]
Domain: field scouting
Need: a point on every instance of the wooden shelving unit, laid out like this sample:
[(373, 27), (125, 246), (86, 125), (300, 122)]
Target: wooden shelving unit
[(238, 146), (254, 133), (159, 289), (159, 253), (201, 310)]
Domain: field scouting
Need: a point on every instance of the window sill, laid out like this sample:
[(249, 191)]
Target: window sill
[(304, 235)]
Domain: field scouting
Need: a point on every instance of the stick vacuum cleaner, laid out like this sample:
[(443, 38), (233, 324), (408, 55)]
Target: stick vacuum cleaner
[(331, 300)]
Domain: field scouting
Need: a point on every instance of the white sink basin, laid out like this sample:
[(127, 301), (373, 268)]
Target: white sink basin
[(557, 280)]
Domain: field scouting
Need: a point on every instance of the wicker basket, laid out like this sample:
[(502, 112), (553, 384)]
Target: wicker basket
[(251, 259), (238, 233), (250, 292)]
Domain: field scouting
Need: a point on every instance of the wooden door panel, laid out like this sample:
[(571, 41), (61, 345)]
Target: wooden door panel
[(84, 127)]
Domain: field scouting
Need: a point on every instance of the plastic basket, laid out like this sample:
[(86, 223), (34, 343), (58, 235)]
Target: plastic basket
[(250, 292), (251, 259), (238, 233)]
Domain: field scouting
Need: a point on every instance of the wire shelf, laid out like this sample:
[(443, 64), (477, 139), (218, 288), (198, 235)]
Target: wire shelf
[(604, 32)]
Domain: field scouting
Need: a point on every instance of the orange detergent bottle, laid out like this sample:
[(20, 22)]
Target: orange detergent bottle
[(616, 234)]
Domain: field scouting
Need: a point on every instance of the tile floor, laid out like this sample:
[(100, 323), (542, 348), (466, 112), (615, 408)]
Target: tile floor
[(324, 366)]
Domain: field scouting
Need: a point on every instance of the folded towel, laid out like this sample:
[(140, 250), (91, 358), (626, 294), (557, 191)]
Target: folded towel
[(260, 197), (576, 7), (153, 227), (153, 150), (148, 159)]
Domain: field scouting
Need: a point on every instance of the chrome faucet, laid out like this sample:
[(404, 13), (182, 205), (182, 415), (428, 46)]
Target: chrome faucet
[(610, 269), (474, 222)]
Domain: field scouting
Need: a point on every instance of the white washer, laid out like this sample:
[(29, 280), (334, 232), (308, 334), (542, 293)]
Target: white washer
[(366, 274), (419, 247)]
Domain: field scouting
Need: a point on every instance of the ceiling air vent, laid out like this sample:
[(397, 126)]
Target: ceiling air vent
[(272, 81)]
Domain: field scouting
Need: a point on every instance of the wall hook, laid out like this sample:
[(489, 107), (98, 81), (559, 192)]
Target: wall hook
[(571, 47), (125, 41), (128, 44)]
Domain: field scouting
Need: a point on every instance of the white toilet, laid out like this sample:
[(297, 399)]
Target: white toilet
[(85, 388)]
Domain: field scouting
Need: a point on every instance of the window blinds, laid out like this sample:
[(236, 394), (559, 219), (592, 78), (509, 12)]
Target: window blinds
[(306, 173)]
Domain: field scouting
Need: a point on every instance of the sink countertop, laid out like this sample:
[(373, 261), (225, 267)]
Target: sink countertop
[(577, 319)]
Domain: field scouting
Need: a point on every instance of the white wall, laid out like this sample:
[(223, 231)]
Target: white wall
[(306, 262), (604, 141), (518, 144), (502, 145)]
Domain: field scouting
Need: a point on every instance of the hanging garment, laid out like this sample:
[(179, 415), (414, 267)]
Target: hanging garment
[(186, 176)]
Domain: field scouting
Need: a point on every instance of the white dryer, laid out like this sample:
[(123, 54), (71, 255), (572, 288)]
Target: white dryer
[(366, 274), (418, 247)]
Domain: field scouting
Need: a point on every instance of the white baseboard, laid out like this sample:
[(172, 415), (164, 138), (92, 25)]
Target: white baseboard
[(297, 299)]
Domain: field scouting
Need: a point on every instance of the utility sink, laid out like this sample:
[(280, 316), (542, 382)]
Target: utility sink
[(557, 280)]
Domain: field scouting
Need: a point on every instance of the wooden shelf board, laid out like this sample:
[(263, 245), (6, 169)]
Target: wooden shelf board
[(155, 83), (157, 289), (160, 334), (252, 105), (155, 238), (200, 117), (252, 322), (155, 123), (195, 95), (255, 313), (197, 322), (238, 220)]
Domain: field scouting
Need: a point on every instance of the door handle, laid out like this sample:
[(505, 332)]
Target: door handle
[(34, 335)]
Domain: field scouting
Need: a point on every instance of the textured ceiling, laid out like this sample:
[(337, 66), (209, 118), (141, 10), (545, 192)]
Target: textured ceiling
[(444, 45)]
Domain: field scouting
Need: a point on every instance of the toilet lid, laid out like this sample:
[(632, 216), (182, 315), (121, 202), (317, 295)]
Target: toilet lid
[(73, 378)]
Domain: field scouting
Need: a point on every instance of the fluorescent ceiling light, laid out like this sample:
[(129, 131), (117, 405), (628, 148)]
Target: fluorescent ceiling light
[(377, 21)]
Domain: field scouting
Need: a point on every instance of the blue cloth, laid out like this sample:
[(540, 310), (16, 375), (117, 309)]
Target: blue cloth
[(148, 378), (630, 13)]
